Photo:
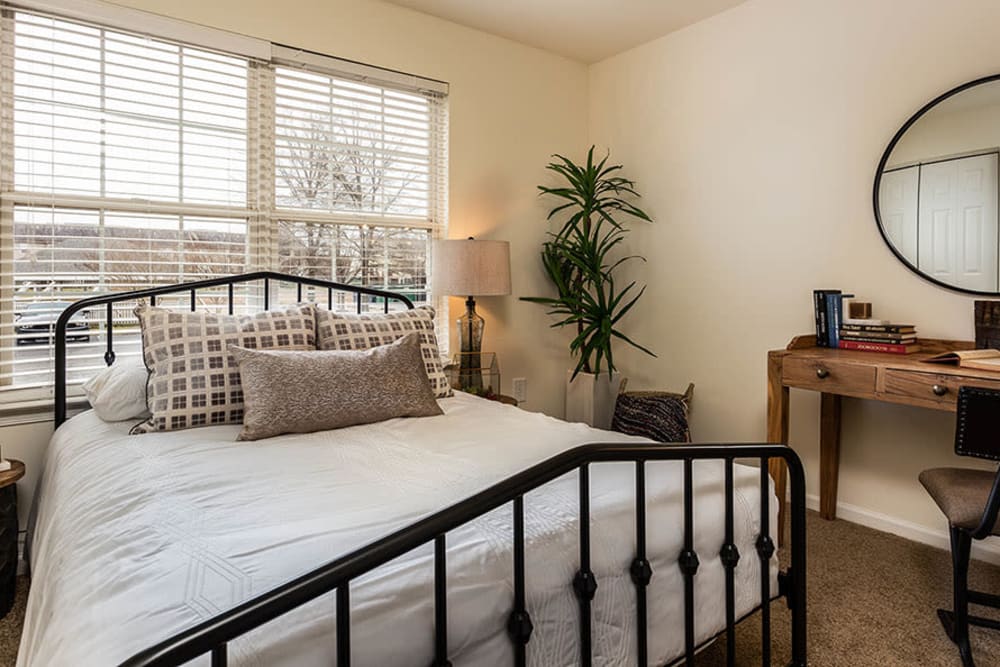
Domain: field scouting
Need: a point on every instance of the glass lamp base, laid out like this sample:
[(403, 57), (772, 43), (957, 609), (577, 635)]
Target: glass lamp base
[(470, 336)]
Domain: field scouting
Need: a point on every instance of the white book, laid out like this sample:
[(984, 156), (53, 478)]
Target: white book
[(4, 465), (869, 322)]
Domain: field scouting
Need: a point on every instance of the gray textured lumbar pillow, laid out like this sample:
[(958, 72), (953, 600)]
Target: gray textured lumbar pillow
[(302, 392)]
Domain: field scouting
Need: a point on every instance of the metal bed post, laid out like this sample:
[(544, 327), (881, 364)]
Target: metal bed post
[(730, 556), (440, 603), (765, 549), (640, 571), (344, 625), (584, 583), (519, 625), (688, 562)]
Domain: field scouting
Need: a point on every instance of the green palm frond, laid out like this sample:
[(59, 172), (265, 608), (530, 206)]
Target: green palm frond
[(578, 259)]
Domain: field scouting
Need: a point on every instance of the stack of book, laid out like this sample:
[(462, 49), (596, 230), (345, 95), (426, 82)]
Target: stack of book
[(878, 336)]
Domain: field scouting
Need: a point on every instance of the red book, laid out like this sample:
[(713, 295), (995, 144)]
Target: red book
[(891, 348)]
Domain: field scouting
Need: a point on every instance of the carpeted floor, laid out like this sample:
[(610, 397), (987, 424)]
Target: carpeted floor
[(10, 626), (871, 603), (872, 598)]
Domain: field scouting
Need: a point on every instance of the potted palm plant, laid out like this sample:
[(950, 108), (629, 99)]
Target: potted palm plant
[(581, 259)]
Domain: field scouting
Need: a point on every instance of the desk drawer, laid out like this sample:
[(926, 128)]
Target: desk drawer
[(938, 389), (835, 377)]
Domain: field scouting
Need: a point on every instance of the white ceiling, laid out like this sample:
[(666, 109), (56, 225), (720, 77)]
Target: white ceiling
[(585, 30)]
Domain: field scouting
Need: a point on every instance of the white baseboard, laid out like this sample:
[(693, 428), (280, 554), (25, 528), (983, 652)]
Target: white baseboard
[(987, 550), (22, 565)]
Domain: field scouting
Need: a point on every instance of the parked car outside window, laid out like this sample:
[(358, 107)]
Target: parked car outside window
[(36, 323)]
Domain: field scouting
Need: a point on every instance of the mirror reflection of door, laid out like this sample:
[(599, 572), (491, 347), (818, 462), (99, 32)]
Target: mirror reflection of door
[(957, 221), (937, 189), (942, 217), (898, 205)]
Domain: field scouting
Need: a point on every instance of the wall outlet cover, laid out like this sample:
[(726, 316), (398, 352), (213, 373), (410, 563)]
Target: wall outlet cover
[(520, 388)]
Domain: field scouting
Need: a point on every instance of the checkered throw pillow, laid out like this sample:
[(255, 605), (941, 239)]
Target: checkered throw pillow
[(193, 380), (348, 331)]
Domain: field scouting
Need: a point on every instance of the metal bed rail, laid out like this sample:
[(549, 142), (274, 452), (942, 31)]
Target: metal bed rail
[(266, 278), (212, 636)]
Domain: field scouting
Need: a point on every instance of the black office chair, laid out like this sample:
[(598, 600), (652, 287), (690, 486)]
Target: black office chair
[(971, 501)]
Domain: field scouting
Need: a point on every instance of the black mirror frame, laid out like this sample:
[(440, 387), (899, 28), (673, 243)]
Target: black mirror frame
[(885, 159)]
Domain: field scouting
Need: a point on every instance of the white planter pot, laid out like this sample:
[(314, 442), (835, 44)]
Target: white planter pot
[(591, 399)]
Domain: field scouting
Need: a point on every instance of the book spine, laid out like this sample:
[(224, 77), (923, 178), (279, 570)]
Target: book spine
[(819, 307), (877, 328), (834, 312), (891, 348), (863, 322), (894, 340), (881, 335)]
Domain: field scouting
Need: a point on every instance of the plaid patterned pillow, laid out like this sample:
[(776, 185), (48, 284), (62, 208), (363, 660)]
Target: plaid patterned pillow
[(193, 380), (348, 331)]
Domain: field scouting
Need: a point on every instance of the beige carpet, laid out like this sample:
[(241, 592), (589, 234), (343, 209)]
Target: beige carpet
[(872, 598), (871, 603), (10, 626)]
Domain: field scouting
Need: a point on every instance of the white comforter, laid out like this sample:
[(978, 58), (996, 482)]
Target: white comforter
[(139, 537)]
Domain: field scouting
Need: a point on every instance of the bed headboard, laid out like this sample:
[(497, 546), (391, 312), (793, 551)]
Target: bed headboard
[(266, 278)]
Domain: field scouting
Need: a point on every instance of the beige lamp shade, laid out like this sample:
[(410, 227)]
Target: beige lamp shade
[(469, 267)]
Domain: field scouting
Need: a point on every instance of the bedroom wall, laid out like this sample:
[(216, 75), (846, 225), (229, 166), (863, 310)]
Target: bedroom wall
[(754, 136), (511, 106)]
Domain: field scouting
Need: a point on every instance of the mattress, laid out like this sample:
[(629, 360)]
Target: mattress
[(139, 537)]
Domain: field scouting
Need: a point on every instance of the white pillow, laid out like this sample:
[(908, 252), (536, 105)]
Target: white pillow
[(118, 392)]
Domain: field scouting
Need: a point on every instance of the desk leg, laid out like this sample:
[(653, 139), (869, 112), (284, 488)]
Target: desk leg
[(829, 455), (777, 433)]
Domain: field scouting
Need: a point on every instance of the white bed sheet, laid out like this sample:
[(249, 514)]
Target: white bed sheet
[(139, 537)]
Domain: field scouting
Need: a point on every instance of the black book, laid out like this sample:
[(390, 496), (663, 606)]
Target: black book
[(822, 316), (900, 329)]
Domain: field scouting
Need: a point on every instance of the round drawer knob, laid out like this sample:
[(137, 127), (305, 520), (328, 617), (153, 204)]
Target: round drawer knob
[(939, 390), (822, 373)]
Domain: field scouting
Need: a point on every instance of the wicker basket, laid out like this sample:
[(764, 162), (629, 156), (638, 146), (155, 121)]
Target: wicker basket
[(659, 415)]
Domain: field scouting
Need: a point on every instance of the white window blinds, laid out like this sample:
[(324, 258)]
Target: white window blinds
[(100, 113), (359, 174), (128, 161)]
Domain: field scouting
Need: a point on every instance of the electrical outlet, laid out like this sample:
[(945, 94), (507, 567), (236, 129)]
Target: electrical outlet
[(520, 389)]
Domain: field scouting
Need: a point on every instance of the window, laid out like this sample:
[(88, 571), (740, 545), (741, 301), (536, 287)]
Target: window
[(135, 161), (358, 173)]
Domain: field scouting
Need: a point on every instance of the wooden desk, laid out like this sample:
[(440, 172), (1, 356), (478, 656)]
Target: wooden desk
[(891, 378)]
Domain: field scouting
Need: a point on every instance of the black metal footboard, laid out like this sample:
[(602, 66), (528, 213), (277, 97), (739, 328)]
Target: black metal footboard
[(211, 637)]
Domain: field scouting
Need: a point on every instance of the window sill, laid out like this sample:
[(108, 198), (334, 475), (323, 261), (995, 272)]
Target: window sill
[(37, 411)]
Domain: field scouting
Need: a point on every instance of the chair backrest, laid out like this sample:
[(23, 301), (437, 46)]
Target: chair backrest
[(977, 431)]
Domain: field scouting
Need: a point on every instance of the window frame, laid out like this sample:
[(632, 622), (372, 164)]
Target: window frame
[(261, 214)]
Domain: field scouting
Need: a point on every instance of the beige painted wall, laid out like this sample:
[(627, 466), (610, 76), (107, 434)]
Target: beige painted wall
[(511, 106), (755, 136)]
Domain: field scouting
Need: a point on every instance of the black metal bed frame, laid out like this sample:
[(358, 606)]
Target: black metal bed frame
[(212, 636), (192, 288)]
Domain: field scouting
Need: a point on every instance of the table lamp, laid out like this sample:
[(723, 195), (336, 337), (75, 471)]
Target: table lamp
[(471, 268)]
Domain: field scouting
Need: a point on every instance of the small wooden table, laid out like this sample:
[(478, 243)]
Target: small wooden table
[(8, 535), (891, 378)]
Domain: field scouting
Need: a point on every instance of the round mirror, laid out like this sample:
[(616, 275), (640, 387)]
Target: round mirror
[(936, 189)]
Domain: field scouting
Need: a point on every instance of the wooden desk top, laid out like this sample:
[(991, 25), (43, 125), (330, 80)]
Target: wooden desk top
[(894, 378), (15, 473)]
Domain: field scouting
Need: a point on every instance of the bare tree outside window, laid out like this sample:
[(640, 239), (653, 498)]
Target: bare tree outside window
[(337, 153)]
